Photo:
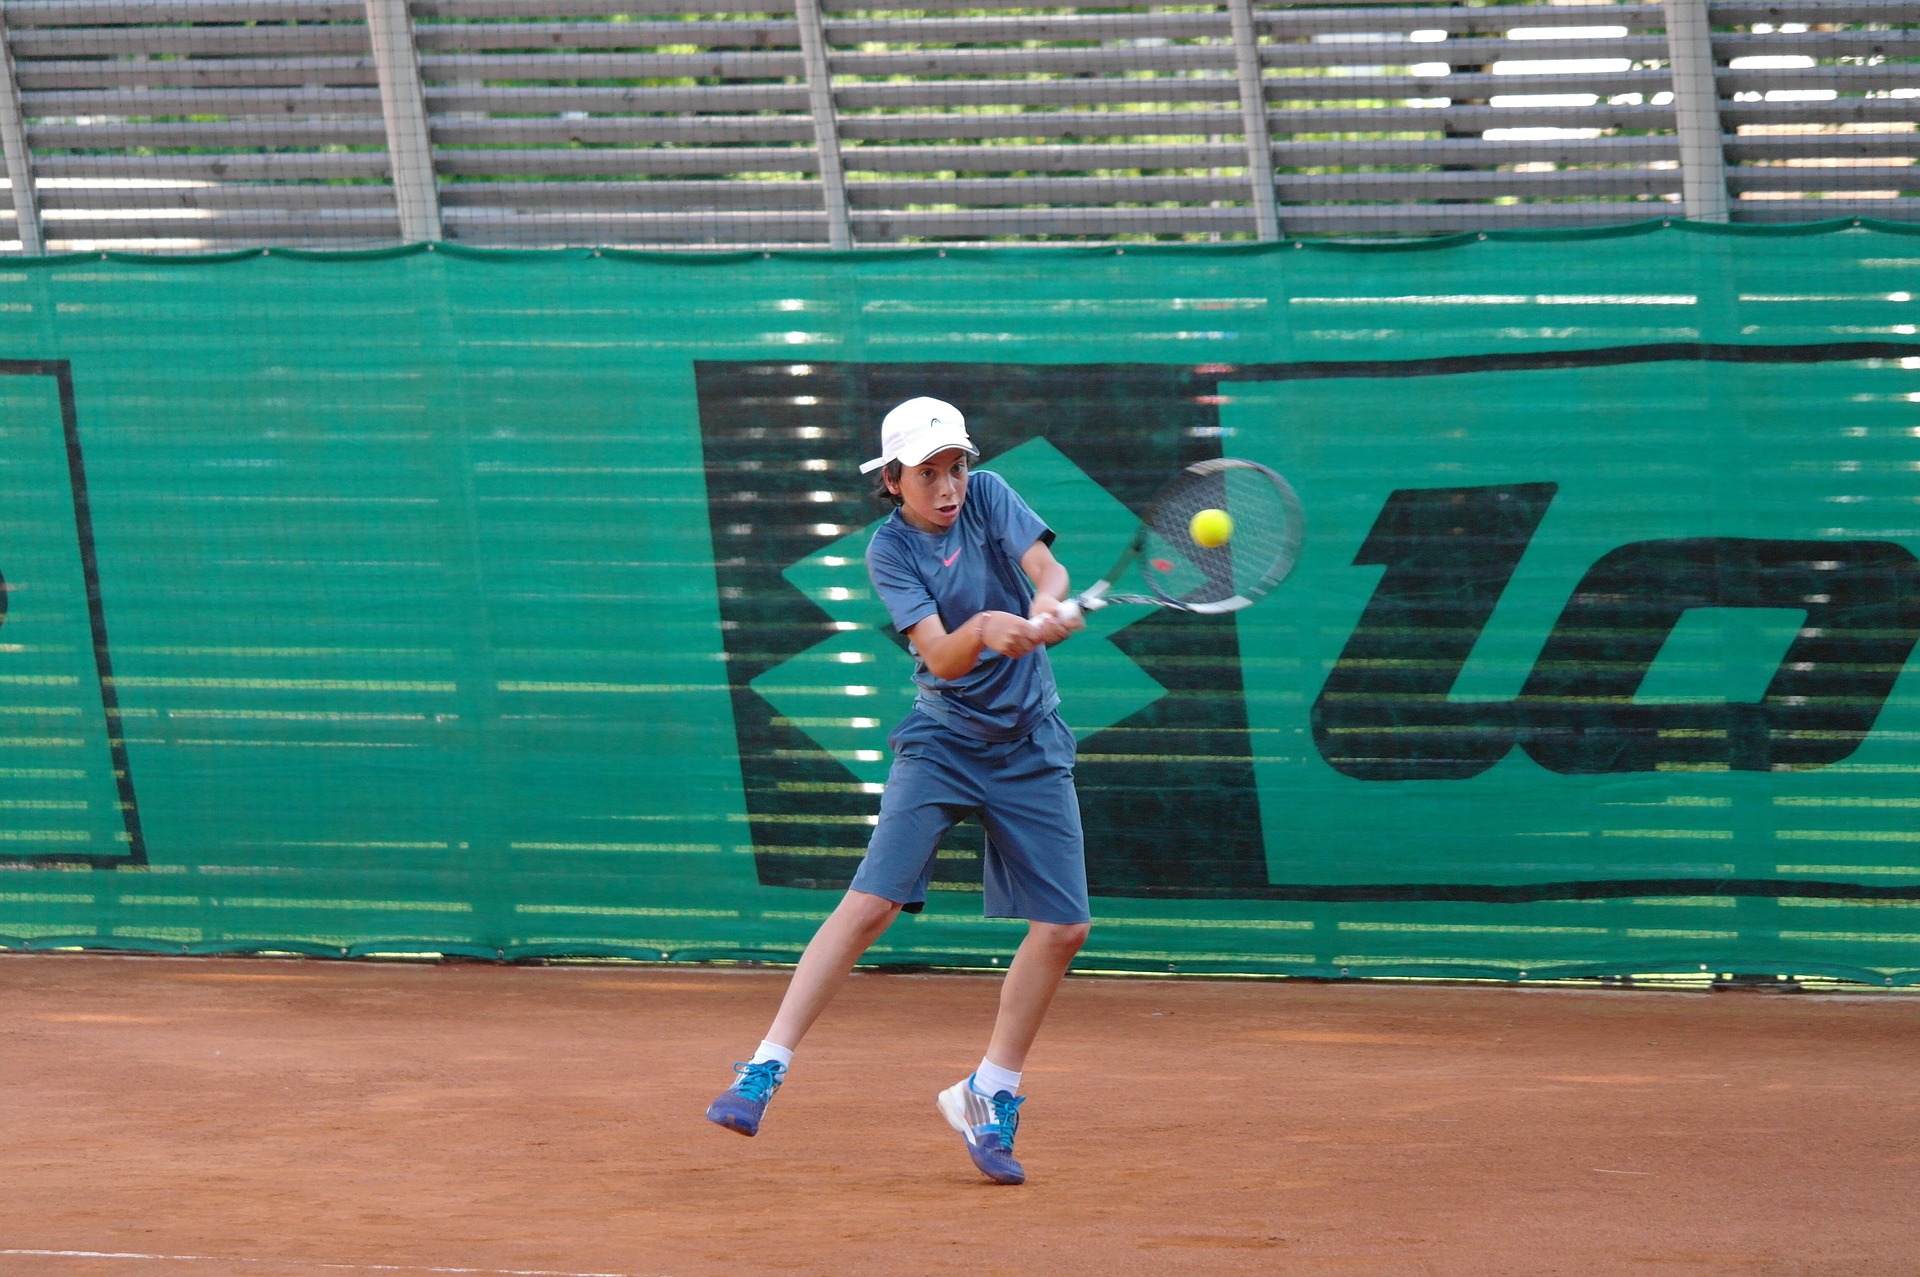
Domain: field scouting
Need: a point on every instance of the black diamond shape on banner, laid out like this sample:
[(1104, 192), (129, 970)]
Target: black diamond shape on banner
[(1167, 795)]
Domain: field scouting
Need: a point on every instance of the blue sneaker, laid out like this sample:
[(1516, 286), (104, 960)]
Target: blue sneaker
[(741, 1105), (989, 1123)]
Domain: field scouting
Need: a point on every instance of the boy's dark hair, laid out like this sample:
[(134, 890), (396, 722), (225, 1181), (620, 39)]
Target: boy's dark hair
[(888, 473)]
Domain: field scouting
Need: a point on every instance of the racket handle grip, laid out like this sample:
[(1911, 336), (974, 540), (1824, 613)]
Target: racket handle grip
[(1069, 610)]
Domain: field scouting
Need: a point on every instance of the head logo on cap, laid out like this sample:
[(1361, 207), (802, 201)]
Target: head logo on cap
[(919, 428)]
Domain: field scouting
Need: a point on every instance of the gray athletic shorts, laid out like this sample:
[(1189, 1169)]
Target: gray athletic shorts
[(1035, 865)]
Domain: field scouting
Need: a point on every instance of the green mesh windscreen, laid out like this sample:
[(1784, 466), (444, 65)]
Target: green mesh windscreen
[(515, 603)]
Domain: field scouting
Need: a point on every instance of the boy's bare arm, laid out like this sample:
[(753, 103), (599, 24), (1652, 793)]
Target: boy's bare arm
[(1050, 583), (950, 654)]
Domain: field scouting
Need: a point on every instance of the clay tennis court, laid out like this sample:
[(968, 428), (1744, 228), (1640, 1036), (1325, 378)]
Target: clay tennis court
[(204, 1116)]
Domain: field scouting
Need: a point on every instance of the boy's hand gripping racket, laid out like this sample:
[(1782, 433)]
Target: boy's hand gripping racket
[(1218, 537)]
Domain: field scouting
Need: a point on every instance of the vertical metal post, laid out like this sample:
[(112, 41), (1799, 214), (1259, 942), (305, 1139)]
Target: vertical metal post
[(404, 103), (1253, 112), (13, 137), (1696, 109), (826, 122)]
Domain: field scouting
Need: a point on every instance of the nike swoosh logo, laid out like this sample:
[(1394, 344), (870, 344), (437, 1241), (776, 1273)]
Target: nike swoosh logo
[(948, 562)]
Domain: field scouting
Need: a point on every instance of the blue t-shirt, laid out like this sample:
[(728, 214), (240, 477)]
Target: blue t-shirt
[(974, 566)]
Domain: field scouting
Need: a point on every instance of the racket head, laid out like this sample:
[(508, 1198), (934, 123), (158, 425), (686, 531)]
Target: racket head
[(1268, 529)]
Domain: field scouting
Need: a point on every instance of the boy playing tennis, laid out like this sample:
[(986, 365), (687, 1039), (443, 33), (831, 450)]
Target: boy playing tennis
[(965, 570)]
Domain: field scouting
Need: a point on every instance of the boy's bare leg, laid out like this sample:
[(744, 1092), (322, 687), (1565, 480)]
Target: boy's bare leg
[(855, 923), (1028, 990)]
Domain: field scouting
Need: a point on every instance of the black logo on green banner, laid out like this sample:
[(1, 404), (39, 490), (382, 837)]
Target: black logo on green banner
[(66, 785), (809, 652), (1384, 712), (1168, 764)]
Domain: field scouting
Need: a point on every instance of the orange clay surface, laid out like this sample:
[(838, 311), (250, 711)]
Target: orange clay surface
[(165, 1117)]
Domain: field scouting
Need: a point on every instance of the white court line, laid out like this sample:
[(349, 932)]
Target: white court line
[(356, 1268)]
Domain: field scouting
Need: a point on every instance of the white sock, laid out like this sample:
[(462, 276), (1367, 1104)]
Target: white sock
[(773, 1051), (991, 1079)]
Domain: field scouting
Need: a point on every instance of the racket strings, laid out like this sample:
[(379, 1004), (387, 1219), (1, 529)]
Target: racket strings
[(1173, 524), (1266, 527)]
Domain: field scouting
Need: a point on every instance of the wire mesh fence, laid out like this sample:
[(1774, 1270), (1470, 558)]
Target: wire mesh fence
[(201, 125)]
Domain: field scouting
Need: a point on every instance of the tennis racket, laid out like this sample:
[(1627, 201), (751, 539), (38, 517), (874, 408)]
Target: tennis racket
[(1164, 566)]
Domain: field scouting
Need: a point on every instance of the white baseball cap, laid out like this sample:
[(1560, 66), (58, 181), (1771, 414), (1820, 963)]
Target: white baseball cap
[(917, 429)]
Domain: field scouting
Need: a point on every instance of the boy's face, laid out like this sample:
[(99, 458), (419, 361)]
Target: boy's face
[(931, 493)]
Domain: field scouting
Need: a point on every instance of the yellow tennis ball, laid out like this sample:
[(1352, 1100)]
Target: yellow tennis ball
[(1210, 528)]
